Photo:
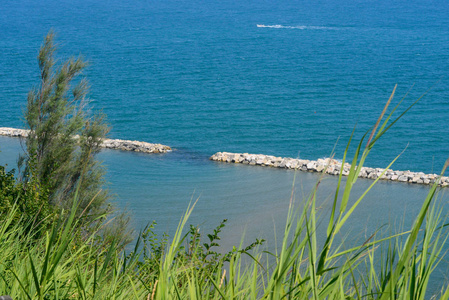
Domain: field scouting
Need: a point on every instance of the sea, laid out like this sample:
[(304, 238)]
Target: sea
[(287, 78)]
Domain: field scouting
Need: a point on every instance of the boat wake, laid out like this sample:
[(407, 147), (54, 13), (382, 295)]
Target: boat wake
[(303, 27)]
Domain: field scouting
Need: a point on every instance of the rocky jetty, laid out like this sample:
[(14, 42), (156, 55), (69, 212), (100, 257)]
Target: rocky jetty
[(135, 146), (117, 144), (13, 132), (327, 165)]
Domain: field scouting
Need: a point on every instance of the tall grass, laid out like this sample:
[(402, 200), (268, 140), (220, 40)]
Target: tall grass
[(65, 264)]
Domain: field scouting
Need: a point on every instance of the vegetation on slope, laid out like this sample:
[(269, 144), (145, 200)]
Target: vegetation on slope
[(64, 138), (66, 261)]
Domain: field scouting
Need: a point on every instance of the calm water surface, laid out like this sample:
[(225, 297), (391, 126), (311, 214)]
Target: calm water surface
[(255, 200)]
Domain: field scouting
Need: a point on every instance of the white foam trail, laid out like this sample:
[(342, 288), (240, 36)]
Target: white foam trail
[(297, 27)]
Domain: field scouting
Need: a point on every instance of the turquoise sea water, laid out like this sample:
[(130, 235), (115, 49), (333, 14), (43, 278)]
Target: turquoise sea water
[(202, 77)]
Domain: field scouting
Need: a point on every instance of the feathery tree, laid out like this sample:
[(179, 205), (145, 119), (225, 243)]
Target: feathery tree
[(64, 137)]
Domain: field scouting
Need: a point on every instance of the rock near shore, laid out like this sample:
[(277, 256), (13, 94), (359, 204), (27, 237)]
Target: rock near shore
[(329, 166), (117, 144)]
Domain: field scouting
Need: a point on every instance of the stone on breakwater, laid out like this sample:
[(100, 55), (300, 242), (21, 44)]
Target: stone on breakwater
[(329, 166), (136, 146), (125, 145), (13, 132)]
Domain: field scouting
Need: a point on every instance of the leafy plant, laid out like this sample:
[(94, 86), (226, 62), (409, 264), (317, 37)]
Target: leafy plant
[(28, 201), (193, 254)]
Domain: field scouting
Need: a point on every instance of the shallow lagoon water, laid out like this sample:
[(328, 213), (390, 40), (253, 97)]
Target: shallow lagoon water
[(255, 200)]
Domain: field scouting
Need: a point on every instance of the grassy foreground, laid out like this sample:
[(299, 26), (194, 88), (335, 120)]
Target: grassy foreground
[(68, 262)]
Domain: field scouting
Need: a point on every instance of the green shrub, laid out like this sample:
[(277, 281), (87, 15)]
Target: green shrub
[(61, 148), (28, 201), (194, 253), (64, 137)]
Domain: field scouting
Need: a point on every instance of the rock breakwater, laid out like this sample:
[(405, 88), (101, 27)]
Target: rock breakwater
[(333, 167), (125, 145)]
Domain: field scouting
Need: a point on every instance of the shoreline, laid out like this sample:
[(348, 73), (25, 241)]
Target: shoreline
[(314, 166), (115, 144), (333, 167)]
